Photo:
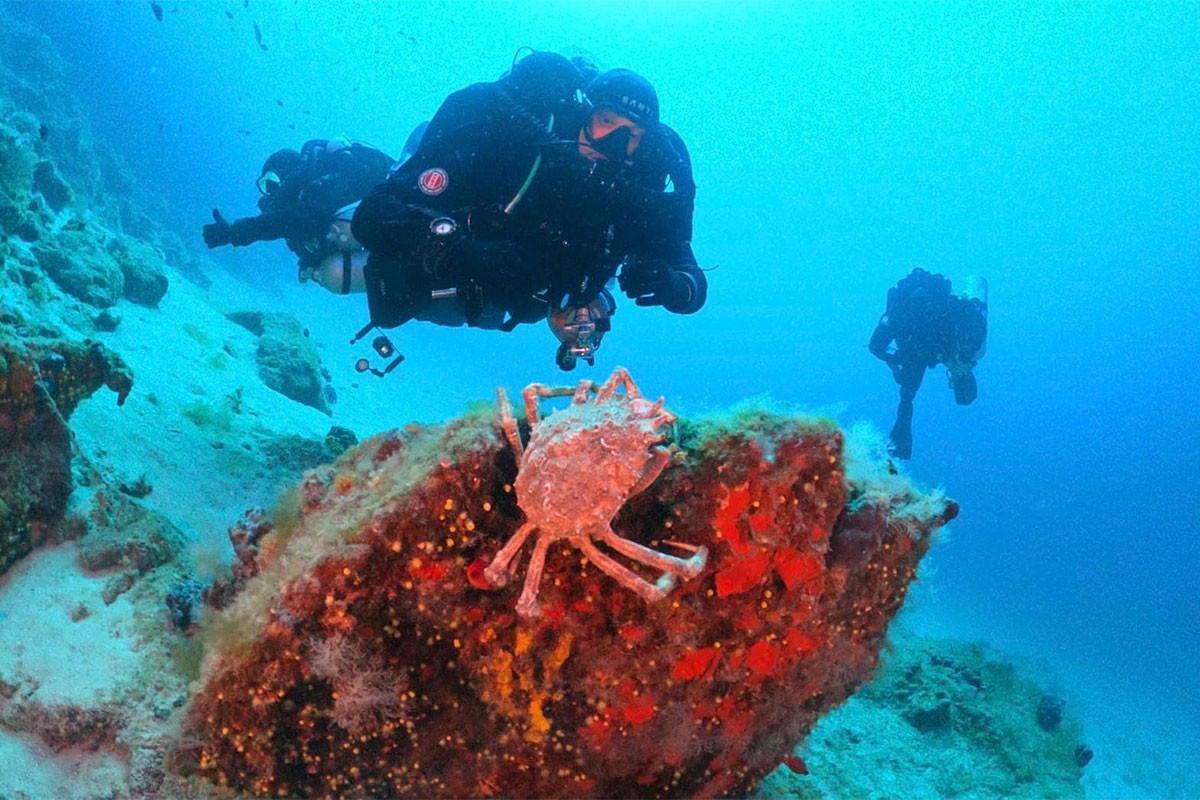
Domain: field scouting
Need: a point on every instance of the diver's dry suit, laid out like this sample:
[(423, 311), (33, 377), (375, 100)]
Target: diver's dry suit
[(498, 220), (301, 193), (928, 325)]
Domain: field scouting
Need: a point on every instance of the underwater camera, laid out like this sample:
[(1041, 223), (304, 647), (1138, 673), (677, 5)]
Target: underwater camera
[(386, 350)]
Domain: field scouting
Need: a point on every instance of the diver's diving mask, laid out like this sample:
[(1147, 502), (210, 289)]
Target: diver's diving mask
[(613, 135), (269, 182)]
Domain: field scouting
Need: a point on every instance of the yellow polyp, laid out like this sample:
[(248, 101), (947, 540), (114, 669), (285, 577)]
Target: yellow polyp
[(449, 504), (500, 665), (562, 651), (524, 639), (539, 726)]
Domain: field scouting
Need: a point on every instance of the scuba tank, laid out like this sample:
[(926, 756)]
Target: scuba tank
[(975, 287), (971, 331), (341, 269), (340, 272)]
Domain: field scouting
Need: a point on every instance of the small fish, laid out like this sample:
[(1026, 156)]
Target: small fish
[(279, 103), (229, 14), (161, 126), (43, 132), (258, 36), (244, 132), (291, 126), (157, 9)]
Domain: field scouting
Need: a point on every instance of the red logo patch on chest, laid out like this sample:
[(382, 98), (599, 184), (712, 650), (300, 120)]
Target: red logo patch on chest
[(433, 181)]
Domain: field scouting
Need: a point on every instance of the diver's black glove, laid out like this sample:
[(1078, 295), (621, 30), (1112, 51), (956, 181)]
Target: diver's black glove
[(238, 233), (653, 283), (217, 232)]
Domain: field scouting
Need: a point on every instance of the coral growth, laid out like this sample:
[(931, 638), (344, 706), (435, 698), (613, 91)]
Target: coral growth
[(41, 382), (245, 537), (371, 658)]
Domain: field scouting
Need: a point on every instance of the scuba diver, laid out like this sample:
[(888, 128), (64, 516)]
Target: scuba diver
[(522, 202), (635, 157), (924, 325), (303, 194)]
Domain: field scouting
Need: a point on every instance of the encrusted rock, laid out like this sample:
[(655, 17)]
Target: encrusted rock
[(287, 359), (41, 382), (74, 259), (51, 186), (142, 266), (370, 657)]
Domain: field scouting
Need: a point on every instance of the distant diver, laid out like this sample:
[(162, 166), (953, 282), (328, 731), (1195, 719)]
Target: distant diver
[(924, 325), (306, 200)]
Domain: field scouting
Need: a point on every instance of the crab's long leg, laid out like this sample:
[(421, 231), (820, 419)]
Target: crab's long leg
[(686, 567), (619, 377), (527, 604), (501, 569), (625, 576), (582, 391), (508, 423), (536, 391), (659, 458)]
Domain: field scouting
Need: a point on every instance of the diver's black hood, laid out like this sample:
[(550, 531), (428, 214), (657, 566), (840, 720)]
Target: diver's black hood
[(544, 82)]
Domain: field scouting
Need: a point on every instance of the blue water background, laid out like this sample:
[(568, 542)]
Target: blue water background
[(1051, 147)]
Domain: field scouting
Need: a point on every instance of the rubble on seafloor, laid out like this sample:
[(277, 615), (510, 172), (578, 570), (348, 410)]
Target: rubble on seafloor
[(369, 658), (941, 718)]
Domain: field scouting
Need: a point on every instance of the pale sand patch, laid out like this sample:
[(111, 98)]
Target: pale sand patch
[(54, 660), (31, 770), (52, 657)]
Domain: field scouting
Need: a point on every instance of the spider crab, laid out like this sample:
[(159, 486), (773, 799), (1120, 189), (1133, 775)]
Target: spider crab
[(579, 468)]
